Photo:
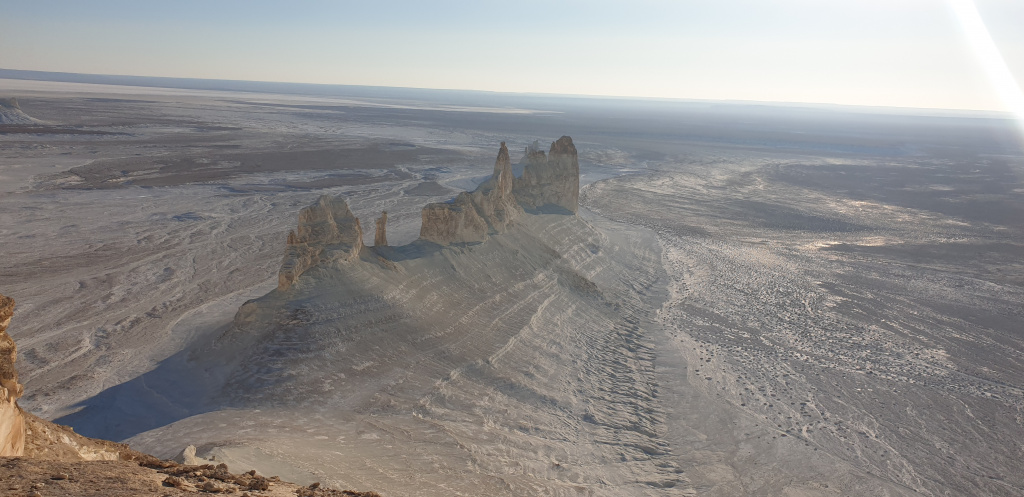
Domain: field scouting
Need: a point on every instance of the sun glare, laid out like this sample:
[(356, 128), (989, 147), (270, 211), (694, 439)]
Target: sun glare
[(990, 57)]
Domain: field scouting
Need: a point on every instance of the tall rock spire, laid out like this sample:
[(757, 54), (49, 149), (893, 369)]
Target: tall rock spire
[(548, 182), (502, 176), (380, 238)]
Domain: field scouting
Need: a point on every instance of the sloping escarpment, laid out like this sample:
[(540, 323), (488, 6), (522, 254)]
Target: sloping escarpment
[(527, 350), (511, 362)]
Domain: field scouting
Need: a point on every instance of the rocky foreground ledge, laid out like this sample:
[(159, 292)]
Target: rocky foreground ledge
[(40, 459)]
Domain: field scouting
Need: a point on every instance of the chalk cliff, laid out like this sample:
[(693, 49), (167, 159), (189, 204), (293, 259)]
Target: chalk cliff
[(12, 419), (491, 208), (494, 199), (455, 221), (327, 232), (551, 180)]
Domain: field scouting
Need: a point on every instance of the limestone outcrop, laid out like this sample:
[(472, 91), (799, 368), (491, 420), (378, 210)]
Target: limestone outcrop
[(551, 180), (327, 232), (494, 199), (455, 221), (12, 419), (10, 113), (380, 238), (495, 206)]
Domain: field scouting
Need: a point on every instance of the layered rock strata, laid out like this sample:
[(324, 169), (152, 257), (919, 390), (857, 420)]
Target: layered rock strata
[(494, 199), (327, 232), (455, 221), (551, 180), (548, 181), (471, 216), (12, 419)]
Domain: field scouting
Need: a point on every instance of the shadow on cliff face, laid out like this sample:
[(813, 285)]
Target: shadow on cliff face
[(173, 391)]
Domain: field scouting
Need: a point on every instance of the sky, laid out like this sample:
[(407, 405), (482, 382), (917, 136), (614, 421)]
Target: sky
[(902, 53)]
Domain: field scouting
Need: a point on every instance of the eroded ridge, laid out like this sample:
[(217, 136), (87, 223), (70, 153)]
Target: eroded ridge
[(471, 216), (528, 350), (328, 232)]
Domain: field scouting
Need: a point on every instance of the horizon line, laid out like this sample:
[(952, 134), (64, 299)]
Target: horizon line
[(1000, 114)]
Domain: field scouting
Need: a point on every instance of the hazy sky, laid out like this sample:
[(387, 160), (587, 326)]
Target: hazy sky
[(910, 53)]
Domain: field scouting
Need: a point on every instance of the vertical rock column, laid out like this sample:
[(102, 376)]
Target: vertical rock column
[(380, 239), (470, 217), (12, 419), (494, 200)]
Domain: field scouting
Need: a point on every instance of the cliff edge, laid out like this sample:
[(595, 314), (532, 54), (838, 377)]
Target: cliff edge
[(12, 419)]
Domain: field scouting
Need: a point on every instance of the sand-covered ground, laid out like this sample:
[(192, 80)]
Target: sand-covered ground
[(877, 326), (752, 301)]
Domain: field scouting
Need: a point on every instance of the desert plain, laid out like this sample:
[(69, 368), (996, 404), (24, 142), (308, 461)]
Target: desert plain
[(751, 299)]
